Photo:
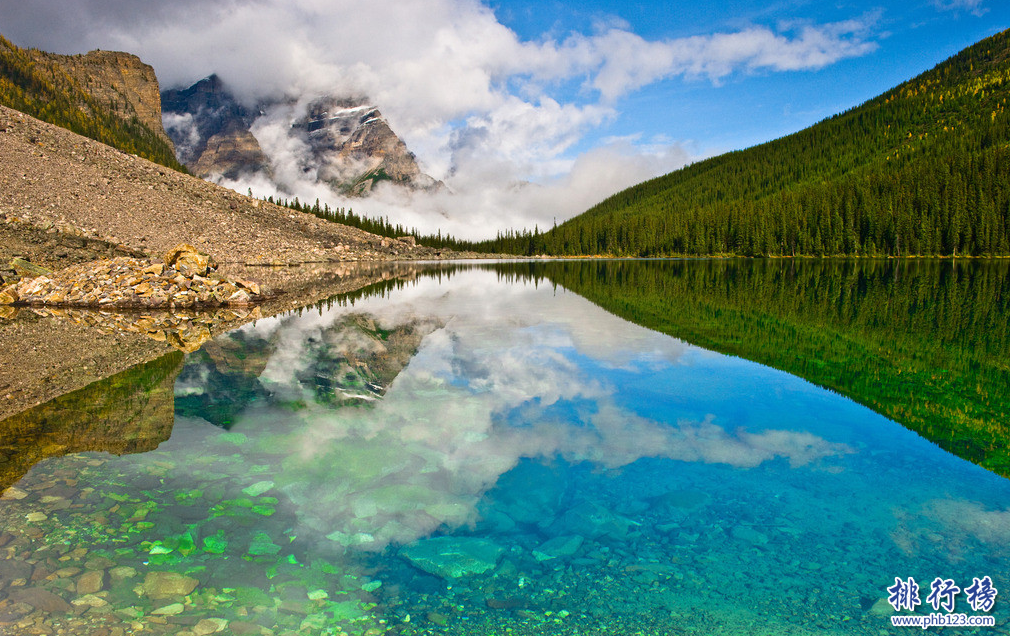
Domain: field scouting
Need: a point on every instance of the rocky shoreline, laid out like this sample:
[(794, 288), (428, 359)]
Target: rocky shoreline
[(50, 351), (184, 279)]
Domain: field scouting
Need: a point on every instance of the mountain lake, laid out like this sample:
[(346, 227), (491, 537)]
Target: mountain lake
[(572, 447)]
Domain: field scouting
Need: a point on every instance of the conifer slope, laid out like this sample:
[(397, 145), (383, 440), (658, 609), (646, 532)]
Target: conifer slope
[(923, 169)]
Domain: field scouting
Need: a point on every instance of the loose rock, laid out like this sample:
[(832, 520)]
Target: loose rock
[(134, 283)]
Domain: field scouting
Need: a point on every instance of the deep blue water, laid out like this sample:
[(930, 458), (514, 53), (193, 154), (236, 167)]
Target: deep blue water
[(475, 456)]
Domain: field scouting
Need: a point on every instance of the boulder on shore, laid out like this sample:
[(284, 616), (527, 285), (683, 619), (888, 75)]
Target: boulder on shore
[(189, 261)]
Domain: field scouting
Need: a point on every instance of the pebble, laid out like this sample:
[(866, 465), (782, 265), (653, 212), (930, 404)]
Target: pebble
[(90, 600), (158, 585)]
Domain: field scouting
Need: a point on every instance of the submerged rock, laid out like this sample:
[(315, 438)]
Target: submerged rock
[(746, 533), (530, 493), (159, 585), (558, 547), (91, 582), (453, 557), (678, 500), (592, 520), (881, 608), (172, 609), (25, 268), (40, 599)]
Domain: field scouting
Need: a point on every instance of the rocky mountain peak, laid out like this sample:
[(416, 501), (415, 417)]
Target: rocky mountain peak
[(348, 144), (203, 112)]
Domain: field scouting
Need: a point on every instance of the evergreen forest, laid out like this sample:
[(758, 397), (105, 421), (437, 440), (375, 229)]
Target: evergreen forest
[(922, 170)]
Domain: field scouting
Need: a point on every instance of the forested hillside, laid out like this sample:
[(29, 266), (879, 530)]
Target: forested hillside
[(38, 86), (923, 169)]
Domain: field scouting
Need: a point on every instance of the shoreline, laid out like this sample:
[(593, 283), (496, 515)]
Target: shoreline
[(48, 352)]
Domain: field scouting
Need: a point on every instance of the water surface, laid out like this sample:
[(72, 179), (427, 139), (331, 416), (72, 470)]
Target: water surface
[(483, 453)]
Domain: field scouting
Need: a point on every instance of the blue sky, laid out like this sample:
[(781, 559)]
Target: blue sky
[(528, 111), (751, 107)]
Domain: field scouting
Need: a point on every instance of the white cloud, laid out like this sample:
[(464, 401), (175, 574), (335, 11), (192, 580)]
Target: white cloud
[(486, 192), (973, 7), (181, 128)]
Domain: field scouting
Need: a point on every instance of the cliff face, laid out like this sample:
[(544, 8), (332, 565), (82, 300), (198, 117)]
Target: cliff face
[(230, 154), (110, 97), (348, 144), (119, 80)]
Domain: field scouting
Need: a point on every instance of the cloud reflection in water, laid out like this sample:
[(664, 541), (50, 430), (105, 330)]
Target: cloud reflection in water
[(513, 372)]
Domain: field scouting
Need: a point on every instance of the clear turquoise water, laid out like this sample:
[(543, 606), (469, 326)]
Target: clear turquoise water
[(471, 455)]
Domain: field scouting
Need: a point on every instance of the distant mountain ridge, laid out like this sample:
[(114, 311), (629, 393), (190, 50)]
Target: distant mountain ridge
[(348, 144), (922, 170), (111, 97)]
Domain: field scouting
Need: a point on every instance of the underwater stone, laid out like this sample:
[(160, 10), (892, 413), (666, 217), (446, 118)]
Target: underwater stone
[(90, 600), (262, 545), (314, 622), (40, 599), (253, 596), (169, 610), (529, 493), (122, 572), (453, 557), (558, 547), (14, 493), (881, 608), (258, 488), (498, 522), (215, 544), (438, 618), (746, 533), (209, 626), (593, 520), (99, 563), (159, 585), (63, 573), (12, 570), (91, 582), (678, 499)]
